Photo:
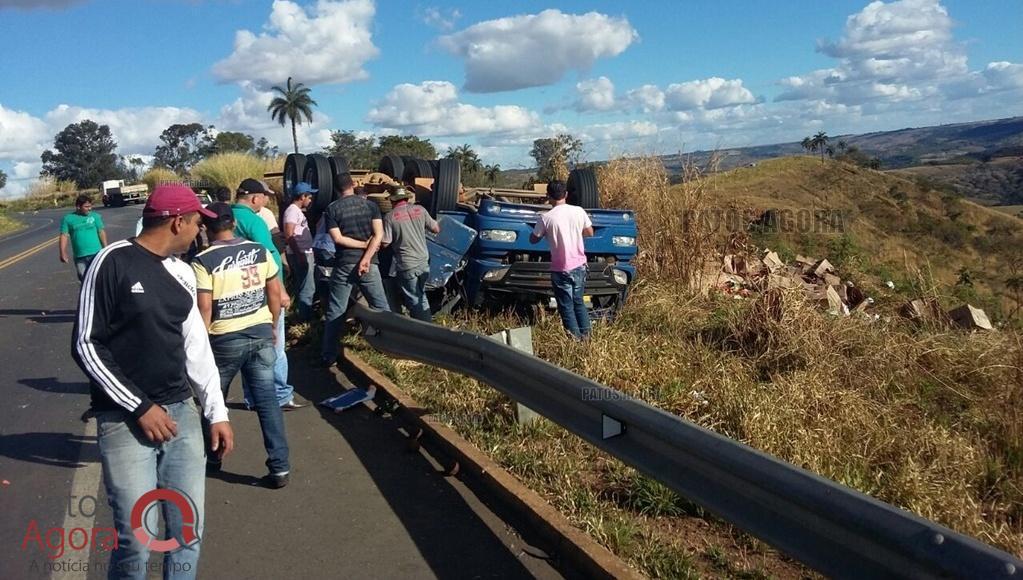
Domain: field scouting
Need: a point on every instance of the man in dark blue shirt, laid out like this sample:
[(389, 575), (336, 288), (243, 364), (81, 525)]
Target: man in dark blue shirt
[(357, 229)]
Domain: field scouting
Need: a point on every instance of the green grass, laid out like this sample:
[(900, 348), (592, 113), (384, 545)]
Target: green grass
[(9, 224)]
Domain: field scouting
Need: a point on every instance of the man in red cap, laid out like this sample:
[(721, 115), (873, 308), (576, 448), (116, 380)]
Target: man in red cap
[(141, 340)]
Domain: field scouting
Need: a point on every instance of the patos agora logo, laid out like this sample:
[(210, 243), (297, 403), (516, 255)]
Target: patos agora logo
[(57, 540)]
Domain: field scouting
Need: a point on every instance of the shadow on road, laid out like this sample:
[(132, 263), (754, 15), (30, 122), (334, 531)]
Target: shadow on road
[(451, 537), (56, 449), (42, 316), (53, 385)]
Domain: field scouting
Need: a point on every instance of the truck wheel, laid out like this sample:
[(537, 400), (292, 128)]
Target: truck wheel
[(317, 174), (294, 171), (582, 188), (338, 167), (417, 168), (445, 187), (392, 166)]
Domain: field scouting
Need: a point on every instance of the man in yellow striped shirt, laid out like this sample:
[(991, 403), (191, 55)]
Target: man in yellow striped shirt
[(239, 299)]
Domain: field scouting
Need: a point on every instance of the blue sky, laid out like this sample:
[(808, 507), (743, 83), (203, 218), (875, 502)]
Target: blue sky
[(627, 77)]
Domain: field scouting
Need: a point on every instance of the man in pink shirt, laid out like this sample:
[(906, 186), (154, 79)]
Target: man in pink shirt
[(564, 227)]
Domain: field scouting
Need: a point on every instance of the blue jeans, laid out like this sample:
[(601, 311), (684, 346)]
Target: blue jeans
[(413, 293), (133, 466), (254, 357), (285, 392), (303, 284), (568, 292), (82, 265), (343, 279)]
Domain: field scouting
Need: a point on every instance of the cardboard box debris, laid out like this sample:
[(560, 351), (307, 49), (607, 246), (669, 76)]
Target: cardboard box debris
[(823, 267), (970, 317), (832, 280), (835, 304), (773, 262), (785, 282)]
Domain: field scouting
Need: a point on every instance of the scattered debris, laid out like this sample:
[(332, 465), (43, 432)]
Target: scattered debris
[(970, 317), (772, 261), (890, 284)]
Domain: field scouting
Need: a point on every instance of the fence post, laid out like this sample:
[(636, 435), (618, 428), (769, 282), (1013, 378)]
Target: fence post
[(521, 339)]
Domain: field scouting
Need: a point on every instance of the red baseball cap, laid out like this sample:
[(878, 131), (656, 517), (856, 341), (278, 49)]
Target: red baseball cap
[(174, 199)]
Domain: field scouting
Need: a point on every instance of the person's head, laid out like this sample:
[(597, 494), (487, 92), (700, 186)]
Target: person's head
[(252, 193), (220, 226), (172, 215), (222, 194), (302, 196), (398, 194), (83, 204), (557, 192), (361, 191), (344, 184)]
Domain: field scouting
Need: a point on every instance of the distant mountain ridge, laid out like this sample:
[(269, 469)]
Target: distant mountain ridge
[(976, 141)]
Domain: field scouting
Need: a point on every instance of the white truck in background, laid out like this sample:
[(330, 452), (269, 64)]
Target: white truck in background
[(116, 193)]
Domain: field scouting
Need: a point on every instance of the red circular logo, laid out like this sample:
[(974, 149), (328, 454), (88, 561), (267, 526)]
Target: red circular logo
[(148, 537)]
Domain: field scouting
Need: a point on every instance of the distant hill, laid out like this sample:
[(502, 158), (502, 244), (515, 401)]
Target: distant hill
[(975, 141)]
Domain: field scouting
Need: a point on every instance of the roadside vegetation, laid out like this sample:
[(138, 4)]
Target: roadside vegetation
[(925, 418)]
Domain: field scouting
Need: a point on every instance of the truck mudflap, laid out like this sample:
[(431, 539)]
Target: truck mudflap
[(448, 250)]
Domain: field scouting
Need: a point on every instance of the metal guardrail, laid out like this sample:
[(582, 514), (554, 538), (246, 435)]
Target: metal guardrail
[(827, 526)]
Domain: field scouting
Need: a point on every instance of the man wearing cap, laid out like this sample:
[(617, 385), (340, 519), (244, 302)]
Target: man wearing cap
[(405, 230), (250, 197), (355, 226), (299, 242), (239, 300), (140, 339), (564, 227)]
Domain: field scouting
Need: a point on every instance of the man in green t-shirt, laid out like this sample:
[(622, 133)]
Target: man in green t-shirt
[(85, 229)]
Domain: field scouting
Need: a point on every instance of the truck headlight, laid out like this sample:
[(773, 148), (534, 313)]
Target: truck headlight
[(495, 275), (628, 241), (499, 235), (620, 277)]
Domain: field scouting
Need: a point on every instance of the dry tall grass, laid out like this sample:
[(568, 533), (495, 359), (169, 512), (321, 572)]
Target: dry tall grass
[(159, 175), (229, 169), (675, 229)]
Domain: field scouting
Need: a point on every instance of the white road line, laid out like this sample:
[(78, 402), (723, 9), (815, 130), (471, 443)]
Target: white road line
[(85, 482)]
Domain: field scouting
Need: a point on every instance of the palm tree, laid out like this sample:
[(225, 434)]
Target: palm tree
[(293, 104), (806, 144), (492, 171), (819, 143)]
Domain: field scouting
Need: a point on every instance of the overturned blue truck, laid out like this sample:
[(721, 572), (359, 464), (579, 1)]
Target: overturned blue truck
[(483, 256)]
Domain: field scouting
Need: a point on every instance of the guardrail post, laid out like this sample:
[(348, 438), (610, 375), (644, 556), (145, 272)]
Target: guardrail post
[(521, 339)]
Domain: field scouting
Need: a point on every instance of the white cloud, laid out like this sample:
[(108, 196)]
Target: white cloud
[(535, 50), (21, 135), (328, 42), (618, 131), (431, 108), (441, 19), (889, 52), (1003, 76), (712, 93), (26, 170), (136, 130), (647, 98), (595, 95)]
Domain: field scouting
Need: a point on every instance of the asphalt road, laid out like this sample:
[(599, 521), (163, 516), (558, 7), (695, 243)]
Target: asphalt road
[(359, 503)]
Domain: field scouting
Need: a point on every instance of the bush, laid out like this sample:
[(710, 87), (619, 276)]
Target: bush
[(229, 169), (158, 175)]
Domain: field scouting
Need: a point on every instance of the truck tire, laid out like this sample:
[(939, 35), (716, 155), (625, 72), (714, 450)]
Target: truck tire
[(317, 174), (338, 165), (392, 166), (294, 172), (435, 166), (445, 187), (417, 168), (582, 188)]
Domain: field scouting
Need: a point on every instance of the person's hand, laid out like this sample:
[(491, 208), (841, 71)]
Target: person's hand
[(363, 267), (285, 300), (157, 425), (221, 439), (63, 258)]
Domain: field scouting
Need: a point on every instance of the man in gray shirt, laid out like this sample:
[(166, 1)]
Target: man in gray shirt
[(405, 232)]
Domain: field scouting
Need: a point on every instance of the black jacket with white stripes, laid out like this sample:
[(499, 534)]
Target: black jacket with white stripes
[(139, 336)]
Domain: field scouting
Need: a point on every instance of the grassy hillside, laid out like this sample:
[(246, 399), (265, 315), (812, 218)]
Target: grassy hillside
[(894, 227), (998, 181)]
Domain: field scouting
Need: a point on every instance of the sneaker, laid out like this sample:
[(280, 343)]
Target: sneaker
[(278, 480)]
